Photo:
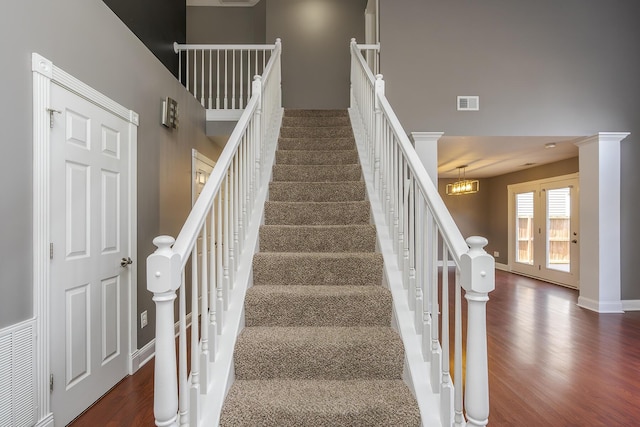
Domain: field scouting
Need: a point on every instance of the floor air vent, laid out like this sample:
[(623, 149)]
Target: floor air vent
[(17, 375)]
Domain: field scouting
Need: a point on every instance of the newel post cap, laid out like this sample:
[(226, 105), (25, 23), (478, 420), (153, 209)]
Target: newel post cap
[(163, 267), (478, 267)]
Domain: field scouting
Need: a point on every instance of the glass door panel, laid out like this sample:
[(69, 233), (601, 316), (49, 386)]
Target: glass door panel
[(524, 228), (559, 229)]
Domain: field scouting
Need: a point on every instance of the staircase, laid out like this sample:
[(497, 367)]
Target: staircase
[(318, 348)]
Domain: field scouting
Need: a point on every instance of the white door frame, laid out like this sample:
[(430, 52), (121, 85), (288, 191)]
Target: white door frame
[(44, 74)]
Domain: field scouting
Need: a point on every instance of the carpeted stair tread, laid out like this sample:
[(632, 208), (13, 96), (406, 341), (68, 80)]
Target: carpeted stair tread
[(297, 305), (316, 157), (317, 191), (316, 173), (324, 353), (315, 113), (302, 121), (333, 269), (317, 213), (305, 403), (316, 144), (316, 132), (317, 238)]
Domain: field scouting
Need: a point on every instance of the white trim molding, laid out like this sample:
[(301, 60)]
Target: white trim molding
[(44, 73), (631, 304), (503, 267)]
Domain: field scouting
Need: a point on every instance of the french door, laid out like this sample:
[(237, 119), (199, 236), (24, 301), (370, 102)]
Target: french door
[(543, 229)]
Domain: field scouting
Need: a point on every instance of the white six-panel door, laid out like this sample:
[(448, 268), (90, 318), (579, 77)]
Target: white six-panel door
[(89, 232)]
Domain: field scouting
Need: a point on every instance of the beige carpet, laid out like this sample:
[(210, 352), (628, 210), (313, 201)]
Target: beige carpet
[(318, 349)]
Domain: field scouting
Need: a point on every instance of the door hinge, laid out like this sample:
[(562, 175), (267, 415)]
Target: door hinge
[(51, 112), (539, 267), (50, 250), (51, 382)]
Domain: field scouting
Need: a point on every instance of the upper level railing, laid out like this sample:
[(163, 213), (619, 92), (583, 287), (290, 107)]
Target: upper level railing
[(427, 242), (219, 76), (203, 260)]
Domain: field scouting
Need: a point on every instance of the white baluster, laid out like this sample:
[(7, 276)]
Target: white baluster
[(183, 375), (163, 278), (218, 79), (377, 135), (202, 80), (241, 79), (478, 279), (233, 80), (210, 104), (411, 239), (204, 300), (213, 320), (225, 244), (194, 392), (436, 360), (446, 388), (226, 80), (459, 416)]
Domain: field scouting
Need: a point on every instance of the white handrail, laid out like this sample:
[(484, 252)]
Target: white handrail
[(212, 239), (220, 75), (425, 240)]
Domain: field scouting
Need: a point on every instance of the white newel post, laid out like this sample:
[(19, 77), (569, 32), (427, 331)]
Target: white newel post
[(600, 230), (163, 279), (426, 145), (478, 279), (377, 139)]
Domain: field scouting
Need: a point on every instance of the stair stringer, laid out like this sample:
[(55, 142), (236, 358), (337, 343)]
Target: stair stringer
[(222, 370), (416, 370)]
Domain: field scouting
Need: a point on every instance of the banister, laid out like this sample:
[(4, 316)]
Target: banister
[(442, 216), (177, 47), (422, 238), (214, 236)]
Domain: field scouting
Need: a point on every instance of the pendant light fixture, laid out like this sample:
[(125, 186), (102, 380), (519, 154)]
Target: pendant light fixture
[(463, 185)]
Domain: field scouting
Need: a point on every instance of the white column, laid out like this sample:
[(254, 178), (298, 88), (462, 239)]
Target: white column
[(426, 145), (600, 222)]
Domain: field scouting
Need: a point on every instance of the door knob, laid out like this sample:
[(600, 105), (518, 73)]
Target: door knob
[(125, 262)]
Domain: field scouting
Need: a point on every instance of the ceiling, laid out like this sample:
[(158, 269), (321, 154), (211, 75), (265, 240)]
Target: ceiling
[(237, 3), (489, 156)]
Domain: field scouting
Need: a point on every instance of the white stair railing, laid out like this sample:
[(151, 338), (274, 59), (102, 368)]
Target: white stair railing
[(205, 257), (219, 76), (429, 248)]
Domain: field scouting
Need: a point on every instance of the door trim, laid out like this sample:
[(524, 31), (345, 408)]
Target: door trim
[(511, 190), (44, 73)]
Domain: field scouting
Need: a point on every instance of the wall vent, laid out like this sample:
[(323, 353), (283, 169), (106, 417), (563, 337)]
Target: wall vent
[(17, 375), (468, 103)]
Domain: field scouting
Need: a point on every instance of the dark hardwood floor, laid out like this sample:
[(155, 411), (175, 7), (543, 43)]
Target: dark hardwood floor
[(551, 363)]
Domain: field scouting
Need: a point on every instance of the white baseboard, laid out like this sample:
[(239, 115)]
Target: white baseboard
[(143, 355), (502, 267), (600, 306), (46, 421), (631, 305)]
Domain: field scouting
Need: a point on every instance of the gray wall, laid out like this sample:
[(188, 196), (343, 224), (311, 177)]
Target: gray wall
[(540, 68), (158, 23), (227, 25), (315, 48), (71, 33)]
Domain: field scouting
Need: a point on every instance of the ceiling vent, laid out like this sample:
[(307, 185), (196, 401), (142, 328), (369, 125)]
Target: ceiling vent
[(468, 103)]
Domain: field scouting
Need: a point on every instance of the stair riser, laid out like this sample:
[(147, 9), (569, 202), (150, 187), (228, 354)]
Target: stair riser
[(316, 157), (316, 144), (288, 353), (302, 403), (295, 213), (316, 173), (315, 121), (316, 132), (316, 191), (371, 306), (354, 238), (317, 269), (315, 113)]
